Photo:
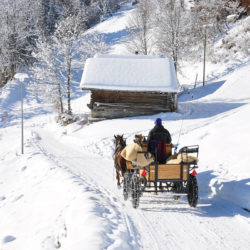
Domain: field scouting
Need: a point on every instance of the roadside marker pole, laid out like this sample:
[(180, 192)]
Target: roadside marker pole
[(20, 77), (22, 113)]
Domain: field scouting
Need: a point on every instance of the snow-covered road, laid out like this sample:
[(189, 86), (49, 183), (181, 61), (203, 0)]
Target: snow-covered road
[(159, 223)]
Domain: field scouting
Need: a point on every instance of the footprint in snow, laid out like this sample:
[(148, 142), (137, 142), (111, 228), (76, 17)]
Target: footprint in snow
[(8, 239), (2, 198), (18, 198), (24, 168)]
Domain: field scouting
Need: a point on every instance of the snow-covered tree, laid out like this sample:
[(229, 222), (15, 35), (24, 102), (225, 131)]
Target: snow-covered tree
[(92, 44), (172, 28), (23, 21), (65, 37), (17, 34), (47, 77), (108, 7), (60, 58), (140, 29)]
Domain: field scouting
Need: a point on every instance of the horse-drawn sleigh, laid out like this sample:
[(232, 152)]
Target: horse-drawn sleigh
[(176, 175)]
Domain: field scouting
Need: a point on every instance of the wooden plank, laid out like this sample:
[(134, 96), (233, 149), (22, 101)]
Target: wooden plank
[(114, 104), (151, 174), (185, 172), (131, 97), (115, 113), (101, 106), (169, 172), (166, 171)]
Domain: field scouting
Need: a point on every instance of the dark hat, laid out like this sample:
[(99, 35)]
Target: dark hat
[(158, 121)]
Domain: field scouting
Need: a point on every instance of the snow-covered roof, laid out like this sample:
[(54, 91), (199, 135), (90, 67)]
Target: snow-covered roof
[(130, 73)]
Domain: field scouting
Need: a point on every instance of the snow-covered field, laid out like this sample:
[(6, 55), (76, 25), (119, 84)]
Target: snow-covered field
[(62, 194)]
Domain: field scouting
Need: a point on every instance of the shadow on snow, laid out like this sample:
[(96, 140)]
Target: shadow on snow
[(192, 110), (199, 92), (209, 204)]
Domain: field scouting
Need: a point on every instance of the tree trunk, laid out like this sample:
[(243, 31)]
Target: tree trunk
[(60, 97), (60, 101), (69, 58)]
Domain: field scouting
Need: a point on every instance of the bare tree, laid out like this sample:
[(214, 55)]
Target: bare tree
[(171, 28), (17, 34), (140, 29), (65, 39), (59, 58), (47, 78)]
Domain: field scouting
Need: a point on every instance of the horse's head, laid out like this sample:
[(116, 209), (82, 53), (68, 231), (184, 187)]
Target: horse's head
[(119, 141), (138, 139)]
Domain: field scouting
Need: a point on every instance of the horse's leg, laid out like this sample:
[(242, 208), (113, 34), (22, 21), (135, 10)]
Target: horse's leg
[(118, 178), (117, 173)]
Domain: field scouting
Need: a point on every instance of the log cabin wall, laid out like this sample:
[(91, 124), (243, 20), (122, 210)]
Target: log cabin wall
[(115, 104)]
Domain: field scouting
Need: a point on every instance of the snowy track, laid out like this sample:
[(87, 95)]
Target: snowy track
[(160, 221), (91, 174)]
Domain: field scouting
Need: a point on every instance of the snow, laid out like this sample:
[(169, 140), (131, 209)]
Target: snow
[(21, 76), (129, 73), (61, 193), (125, 56)]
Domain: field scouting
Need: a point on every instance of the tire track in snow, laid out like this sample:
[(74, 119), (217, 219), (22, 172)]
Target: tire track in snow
[(107, 206), (163, 225)]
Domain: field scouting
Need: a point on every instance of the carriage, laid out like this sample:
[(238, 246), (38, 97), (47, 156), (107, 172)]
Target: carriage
[(176, 175)]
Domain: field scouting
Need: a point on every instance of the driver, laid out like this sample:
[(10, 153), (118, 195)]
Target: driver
[(158, 137)]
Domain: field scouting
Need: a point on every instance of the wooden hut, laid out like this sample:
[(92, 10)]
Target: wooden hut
[(123, 86)]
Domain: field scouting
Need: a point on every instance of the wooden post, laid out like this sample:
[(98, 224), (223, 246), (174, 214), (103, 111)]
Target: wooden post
[(195, 80)]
